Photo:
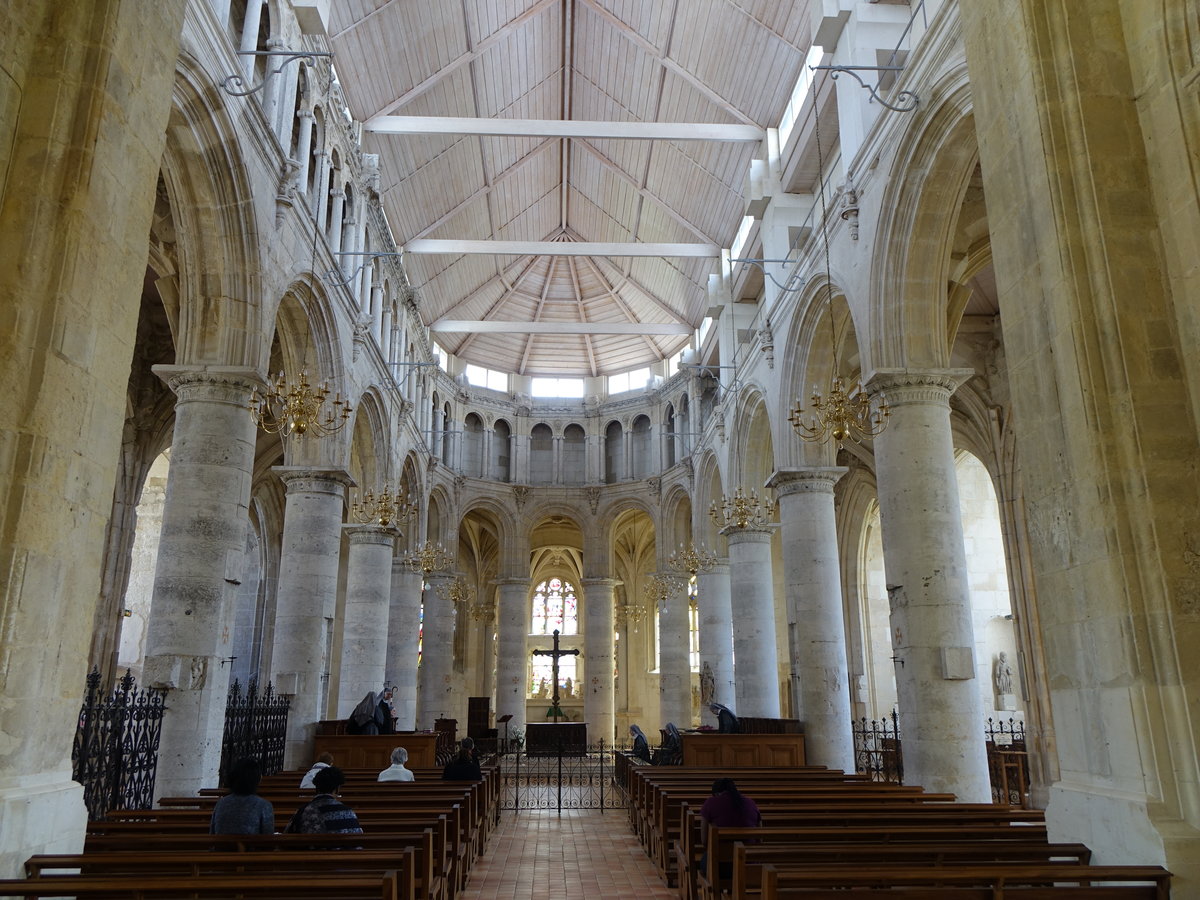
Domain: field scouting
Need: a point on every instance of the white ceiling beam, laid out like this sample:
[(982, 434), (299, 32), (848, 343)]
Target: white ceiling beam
[(558, 248), (491, 326), (558, 128), (591, 350)]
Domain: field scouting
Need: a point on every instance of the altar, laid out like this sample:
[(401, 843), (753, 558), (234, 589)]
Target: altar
[(545, 738)]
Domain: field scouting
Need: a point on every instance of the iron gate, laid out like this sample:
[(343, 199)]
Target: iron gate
[(561, 780), (255, 726), (115, 754)]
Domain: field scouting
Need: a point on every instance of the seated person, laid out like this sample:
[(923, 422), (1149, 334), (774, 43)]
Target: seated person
[(324, 813), (465, 766), (726, 808), (727, 722), (324, 761), (397, 771), (641, 745), (243, 811)]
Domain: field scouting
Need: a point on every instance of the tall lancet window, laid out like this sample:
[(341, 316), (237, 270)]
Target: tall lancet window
[(555, 607)]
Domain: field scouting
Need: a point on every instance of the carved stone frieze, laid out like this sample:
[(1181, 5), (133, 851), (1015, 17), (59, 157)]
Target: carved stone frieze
[(520, 494), (593, 498)]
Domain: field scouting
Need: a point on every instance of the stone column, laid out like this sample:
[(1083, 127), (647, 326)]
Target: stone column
[(404, 631), (200, 561), (756, 661), (365, 628), (249, 39), (674, 673), (512, 655), (434, 683), (716, 635), (308, 585), (941, 711), (304, 147), (335, 223), (599, 699), (814, 598)]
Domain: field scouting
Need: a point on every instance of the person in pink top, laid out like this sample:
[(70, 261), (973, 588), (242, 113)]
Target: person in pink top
[(726, 808)]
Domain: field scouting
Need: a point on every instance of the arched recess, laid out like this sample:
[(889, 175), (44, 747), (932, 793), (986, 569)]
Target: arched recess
[(501, 455), (370, 446), (472, 452), (709, 487), (827, 347), (410, 479), (574, 454), (541, 454), (752, 453), (219, 286), (928, 179), (556, 600), (634, 542), (614, 453), (640, 451), (669, 436), (482, 534)]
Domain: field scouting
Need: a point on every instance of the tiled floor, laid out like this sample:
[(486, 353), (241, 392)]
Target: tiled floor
[(544, 856)]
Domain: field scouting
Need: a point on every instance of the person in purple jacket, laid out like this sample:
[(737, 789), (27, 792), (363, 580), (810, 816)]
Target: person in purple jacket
[(726, 808)]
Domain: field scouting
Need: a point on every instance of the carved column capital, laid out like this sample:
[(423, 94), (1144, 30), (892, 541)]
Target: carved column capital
[(311, 480), (808, 480), (906, 387)]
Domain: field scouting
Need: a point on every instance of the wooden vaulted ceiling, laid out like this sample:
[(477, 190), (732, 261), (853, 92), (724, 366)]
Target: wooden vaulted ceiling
[(724, 62)]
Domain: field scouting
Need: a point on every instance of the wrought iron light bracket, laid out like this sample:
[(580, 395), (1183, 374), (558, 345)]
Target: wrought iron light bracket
[(909, 101), (795, 281), (232, 82)]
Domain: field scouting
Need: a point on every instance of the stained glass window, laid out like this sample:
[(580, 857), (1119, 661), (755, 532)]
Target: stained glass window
[(541, 675), (555, 607)]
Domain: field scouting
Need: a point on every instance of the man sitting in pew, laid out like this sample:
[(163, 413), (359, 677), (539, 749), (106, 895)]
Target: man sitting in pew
[(243, 811), (325, 814), (726, 808)]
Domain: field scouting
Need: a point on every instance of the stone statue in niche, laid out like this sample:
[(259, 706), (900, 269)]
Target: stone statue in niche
[(708, 684), (1002, 674)]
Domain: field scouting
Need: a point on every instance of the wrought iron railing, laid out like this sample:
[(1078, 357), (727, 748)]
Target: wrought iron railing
[(115, 754), (565, 780), (255, 726), (1008, 762), (877, 748)]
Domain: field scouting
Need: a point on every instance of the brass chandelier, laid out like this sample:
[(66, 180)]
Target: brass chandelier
[(427, 559), (458, 591), (384, 508), (742, 510), (843, 415), (691, 560), (298, 409)]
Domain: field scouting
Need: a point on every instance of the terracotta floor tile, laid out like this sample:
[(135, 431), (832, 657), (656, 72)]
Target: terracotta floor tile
[(536, 855)]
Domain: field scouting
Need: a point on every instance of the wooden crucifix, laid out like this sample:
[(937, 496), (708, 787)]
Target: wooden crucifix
[(554, 655)]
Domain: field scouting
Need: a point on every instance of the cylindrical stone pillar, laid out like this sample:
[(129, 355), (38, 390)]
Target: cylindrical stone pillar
[(674, 672), (304, 147), (599, 702), (365, 626), (814, 599), (200, 560), (307, 591), (434, 681), (404, 632), (755, 659), (512, 654), (715, 610), (941, 711)]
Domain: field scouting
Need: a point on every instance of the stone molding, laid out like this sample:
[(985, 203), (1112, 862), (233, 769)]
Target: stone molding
[(211, 384), (311, 480), (809, 480), (754, 534), (909, 387), (372, 534), (511, 582), (601, 581)]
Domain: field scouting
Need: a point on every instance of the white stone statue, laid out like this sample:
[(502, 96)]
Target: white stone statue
[(1002, 675)]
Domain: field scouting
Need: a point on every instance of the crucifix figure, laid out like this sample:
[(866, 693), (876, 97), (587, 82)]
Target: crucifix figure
[(554, 655)]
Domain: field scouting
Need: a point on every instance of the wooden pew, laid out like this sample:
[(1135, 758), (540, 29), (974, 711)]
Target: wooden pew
[(748, 860), (223, 887), (969, 882), (135, 865)]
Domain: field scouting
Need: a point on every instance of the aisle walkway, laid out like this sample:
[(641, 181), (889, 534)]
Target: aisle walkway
[(537, 855)]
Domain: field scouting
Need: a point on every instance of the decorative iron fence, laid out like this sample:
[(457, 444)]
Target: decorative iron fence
[(1008, 762), (877, 751), (560, 781), (255, 726), (877, 748), (115, 754)]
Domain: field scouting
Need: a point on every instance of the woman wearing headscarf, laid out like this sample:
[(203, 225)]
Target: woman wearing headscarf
[(727, 722), (363, 718), (641, 746)]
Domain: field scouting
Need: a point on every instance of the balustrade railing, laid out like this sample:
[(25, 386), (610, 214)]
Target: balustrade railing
[(115, 754)]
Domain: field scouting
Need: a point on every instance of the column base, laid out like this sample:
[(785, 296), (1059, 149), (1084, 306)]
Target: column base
[(39, 814), (1121, 829)]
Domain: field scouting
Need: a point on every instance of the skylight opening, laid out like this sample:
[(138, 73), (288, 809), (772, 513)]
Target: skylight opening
[(799, 93), (566, 388), (743, 234), (486, 378), (634, 380)]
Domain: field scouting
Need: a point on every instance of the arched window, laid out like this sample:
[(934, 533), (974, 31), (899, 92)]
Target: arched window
[(555, 607)]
